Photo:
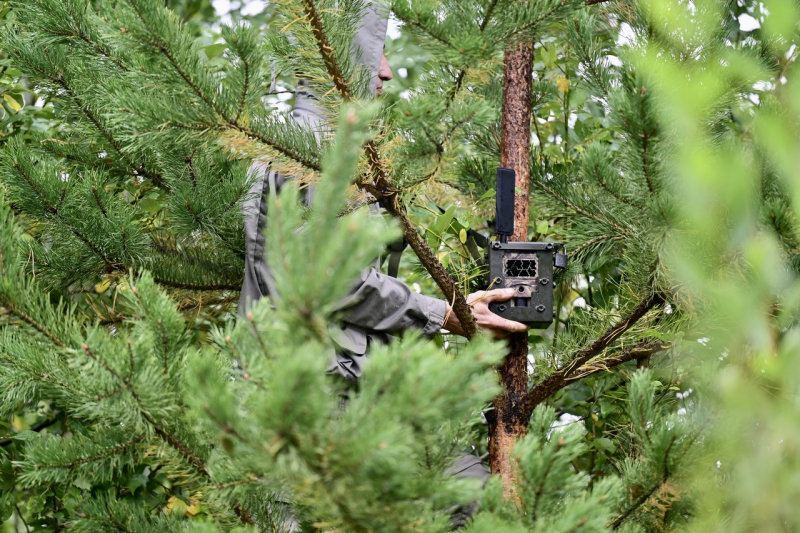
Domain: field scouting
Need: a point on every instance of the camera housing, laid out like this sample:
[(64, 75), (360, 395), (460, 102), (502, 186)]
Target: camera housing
[(526, 267)]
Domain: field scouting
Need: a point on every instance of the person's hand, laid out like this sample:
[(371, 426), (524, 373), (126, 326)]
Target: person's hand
[(487, 320)]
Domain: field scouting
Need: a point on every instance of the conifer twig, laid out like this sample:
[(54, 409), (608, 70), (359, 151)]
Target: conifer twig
[(644, 348), (614, 524), (578, 209), (325, 49), (97, 457), (14, 310), (645, 136), (94, 119), (451, 94), (198, 286)]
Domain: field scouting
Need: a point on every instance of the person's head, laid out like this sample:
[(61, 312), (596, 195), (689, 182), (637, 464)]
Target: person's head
[(384, 74)]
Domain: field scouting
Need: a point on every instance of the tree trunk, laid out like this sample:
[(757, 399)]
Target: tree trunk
[(509, 423)]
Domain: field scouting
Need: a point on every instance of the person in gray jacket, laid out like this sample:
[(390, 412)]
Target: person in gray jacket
[(379, 305)]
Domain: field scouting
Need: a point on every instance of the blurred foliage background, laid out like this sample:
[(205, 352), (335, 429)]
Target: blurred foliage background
[(720, 79)]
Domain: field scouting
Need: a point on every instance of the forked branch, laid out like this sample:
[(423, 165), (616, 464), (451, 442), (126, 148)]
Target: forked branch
[(564, 375)]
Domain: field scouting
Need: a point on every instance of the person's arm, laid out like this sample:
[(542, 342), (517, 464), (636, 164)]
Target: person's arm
[(382, 303), (386, 304)]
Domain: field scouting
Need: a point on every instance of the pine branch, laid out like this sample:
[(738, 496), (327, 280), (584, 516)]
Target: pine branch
[(645, 135), (325, 49), (245, 86), (451, 94), (251, 478), (418, 24), (540, 488), (68, 90), (97, 201), (614, 524), (641, 350), (97, 457), (576, 252), (578, 209), (42, 377), (170, 439), (587, 60), (83, 36), (94, 119), (243, 515), (561, 377), (199, 287), (177, 445), (531, 24), (231, 122), (627, 201), (14, 310)]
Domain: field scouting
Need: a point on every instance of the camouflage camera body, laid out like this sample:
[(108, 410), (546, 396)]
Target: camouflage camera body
[(526, 267)]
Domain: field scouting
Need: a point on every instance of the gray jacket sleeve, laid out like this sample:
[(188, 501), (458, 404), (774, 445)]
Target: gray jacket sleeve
[(384, 304)]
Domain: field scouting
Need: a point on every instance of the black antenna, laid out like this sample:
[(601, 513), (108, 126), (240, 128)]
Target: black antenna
[(504, 204)]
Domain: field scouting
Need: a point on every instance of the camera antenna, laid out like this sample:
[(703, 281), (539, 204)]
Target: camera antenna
[(504, 203)]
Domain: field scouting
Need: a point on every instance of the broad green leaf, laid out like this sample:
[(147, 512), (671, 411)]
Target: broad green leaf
[(12, 103)]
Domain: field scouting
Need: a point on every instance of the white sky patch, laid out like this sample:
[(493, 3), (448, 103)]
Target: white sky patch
[(565, 420), (763, 85), (402, 72), (573, 118), (703, 341), (221, 6), (614, 61), (626, 37), (579, 302), (748, 22), (393, 30), (254, 7)]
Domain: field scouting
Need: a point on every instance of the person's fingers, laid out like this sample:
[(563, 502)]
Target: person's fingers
[(506, 324), (496, 295), (489, 320), (475, 297)]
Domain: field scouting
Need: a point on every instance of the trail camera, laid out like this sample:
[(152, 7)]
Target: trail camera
[(526, 267)]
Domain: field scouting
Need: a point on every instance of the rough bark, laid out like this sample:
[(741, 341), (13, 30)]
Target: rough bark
[(509, 424)]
